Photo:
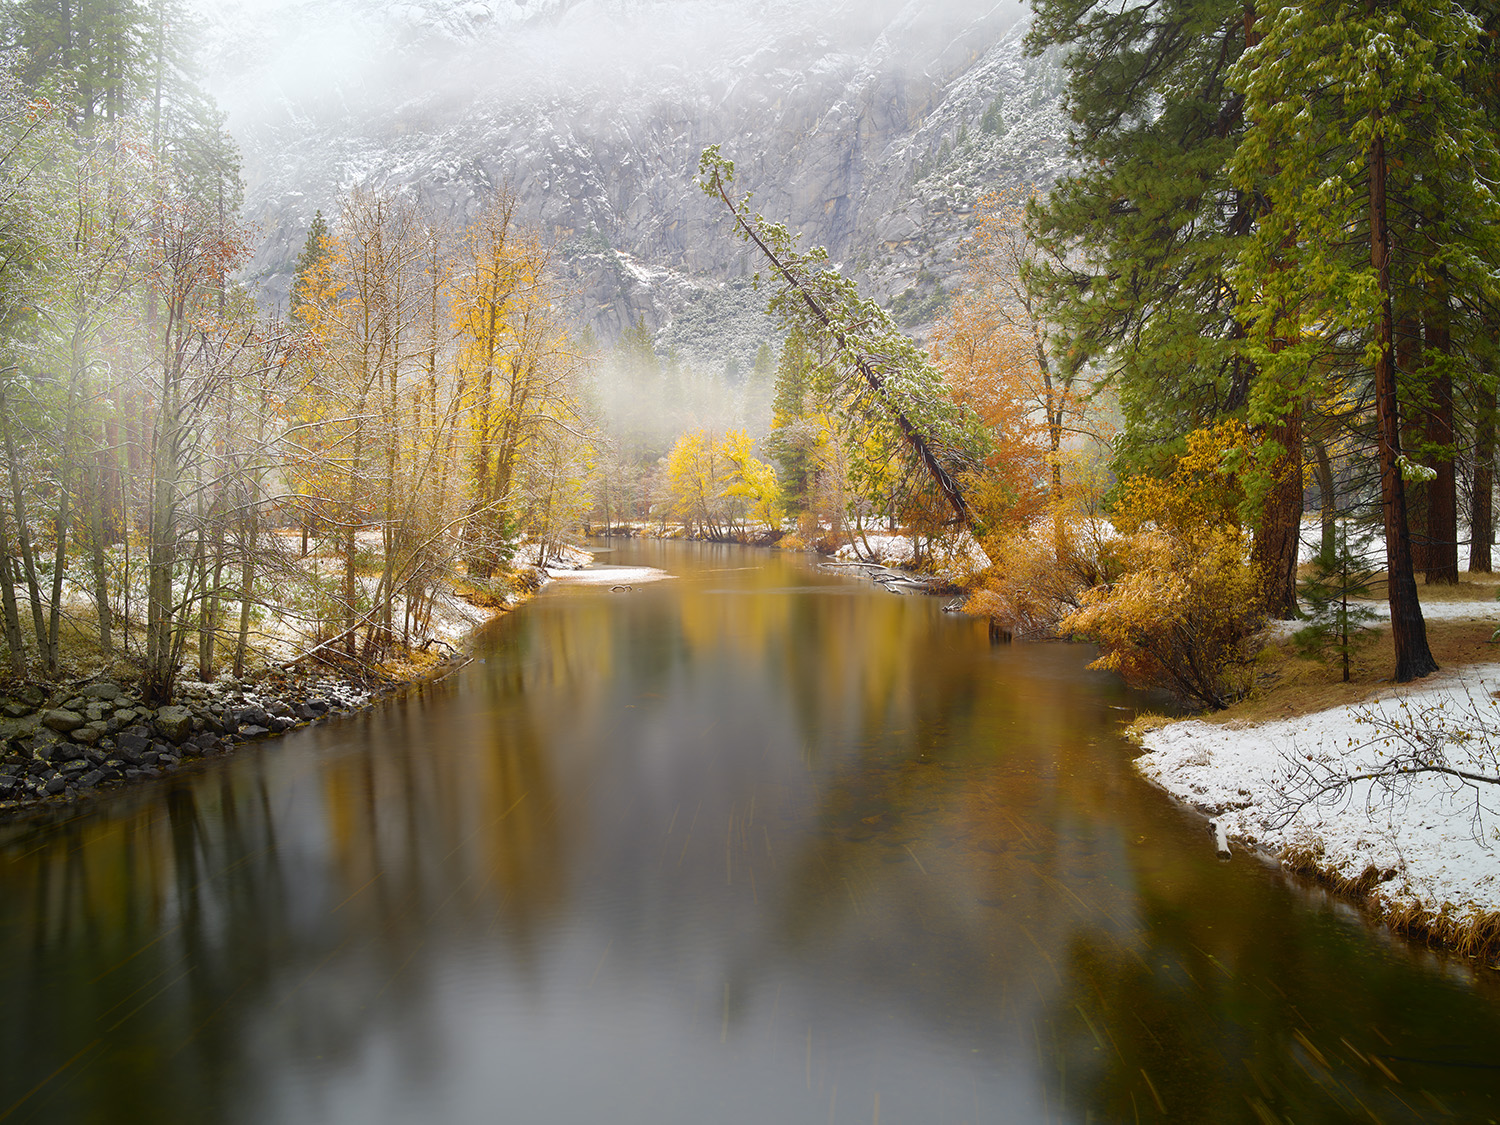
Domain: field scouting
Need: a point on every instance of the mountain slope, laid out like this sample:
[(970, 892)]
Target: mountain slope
[(858, 124)]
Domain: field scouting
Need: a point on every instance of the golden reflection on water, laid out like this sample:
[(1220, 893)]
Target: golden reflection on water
[(749, 845)]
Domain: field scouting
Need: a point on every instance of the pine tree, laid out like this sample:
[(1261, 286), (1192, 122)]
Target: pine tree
[(1338, 626), (313, 251), (1143, 241), (1365, 173)]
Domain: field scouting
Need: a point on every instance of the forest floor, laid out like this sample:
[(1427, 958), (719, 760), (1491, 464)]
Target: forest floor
[(1280, 772)]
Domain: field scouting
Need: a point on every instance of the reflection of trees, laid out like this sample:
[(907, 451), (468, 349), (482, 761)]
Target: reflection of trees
[(189, 926), (933, 831), (1278, 1015)]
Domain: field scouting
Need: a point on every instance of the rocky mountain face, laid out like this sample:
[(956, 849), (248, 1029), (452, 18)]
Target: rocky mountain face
[(871, 126)]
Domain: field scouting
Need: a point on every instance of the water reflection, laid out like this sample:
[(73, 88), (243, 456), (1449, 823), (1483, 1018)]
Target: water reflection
[(750, 845)]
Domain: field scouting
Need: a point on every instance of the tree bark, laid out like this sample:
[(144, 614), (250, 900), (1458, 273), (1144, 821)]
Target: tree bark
[(1278, 539), (1327, 497), (1482, 497), (1408, 630), (1442, 490)]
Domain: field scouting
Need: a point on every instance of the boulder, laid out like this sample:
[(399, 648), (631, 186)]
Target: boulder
[(24, 727), (62, 720), (131, 743), (102, 690), (174, 723)]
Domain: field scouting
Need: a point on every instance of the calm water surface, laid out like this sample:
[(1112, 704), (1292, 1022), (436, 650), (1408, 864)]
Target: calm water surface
[(756, 844)]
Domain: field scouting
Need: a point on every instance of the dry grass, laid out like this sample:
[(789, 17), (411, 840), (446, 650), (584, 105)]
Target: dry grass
[(1474, 935), (1470, 935), (1290, 685), (1143, 724), (1469, 588)]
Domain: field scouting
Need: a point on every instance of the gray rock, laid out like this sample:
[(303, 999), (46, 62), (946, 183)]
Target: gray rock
[(91, 779), (88, 735), (174, 723), (62, 719), (102, 690), (74, 767), (42, 744), (253, 731), (56, 785), (254, 716), (24, 727), (130, 743), (14, 709)]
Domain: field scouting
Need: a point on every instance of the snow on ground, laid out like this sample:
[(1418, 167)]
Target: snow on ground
[(1424, 842), (613, 576), (962, 555)]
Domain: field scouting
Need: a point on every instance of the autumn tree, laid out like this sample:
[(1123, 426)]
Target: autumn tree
[(1184, 608), (882, 372), (517, 367)]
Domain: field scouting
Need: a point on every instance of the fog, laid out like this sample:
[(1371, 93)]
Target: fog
[(269, 58)]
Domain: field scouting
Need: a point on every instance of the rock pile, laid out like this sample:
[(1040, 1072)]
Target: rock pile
[(80, 738)]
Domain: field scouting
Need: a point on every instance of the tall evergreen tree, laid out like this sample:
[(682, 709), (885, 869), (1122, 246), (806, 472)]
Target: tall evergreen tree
[(313, 250), (1379, 128), (1143, 239)]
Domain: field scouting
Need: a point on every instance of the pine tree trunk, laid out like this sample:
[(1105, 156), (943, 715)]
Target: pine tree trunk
[(1408, 630), (1408, 358), (1482, 497), (1442, 490), (1327, 498), (1278, 538)]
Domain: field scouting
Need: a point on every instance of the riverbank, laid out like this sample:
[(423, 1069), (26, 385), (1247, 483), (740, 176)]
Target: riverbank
[(1302, 773), (63, 742)]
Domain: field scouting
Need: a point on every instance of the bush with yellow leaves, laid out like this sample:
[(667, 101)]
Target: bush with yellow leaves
[(1185, 609), (1182, 616), (1040, 573)]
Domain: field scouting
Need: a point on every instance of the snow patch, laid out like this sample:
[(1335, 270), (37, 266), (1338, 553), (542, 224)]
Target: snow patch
[(1425, 845)]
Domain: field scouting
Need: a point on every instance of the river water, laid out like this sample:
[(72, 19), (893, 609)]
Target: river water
[(755, 843)]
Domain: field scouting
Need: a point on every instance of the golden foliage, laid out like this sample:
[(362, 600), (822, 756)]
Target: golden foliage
[(716, 485), (1203, 487), (1184, 609)]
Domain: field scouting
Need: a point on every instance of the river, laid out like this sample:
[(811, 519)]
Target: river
[(755, 843)]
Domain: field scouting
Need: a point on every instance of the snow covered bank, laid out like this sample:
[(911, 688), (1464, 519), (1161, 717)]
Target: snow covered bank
[(1422, 848), (949, 556), (612, 576)]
